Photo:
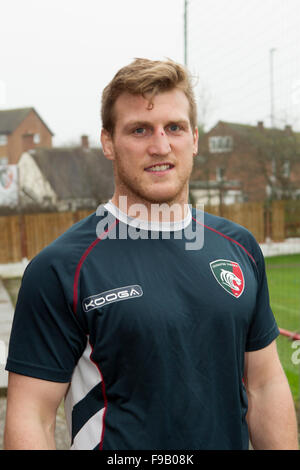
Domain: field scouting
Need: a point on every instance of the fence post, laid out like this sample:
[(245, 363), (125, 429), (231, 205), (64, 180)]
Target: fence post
[(278, 221), (75, 217), (23, 238), (267, 220)]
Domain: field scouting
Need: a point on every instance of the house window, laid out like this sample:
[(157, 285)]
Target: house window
[(220, 174), (286, 169), (36, 138), (3, 139), (220, 144)]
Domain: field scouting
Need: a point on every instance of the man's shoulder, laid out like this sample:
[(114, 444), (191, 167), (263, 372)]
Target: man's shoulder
[(229, 230), (226, 226), (70, 245), (219, 223)]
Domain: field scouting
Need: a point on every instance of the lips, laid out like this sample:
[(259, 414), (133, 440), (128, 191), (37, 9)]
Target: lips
[(159, 167)]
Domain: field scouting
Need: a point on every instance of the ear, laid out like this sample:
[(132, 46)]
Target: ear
[(107, 144), (195, 145)]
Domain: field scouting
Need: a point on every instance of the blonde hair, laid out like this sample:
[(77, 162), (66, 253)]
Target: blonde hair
[(144, 76)]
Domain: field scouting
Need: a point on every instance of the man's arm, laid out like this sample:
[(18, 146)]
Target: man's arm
[(31, 412), (271, 414)]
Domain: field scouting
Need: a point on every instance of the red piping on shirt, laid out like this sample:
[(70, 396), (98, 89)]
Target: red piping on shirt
[(228, 238), (82, 259), (75, 301)]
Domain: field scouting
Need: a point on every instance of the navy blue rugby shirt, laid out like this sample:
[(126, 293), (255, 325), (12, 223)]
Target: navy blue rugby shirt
[(150, 334)]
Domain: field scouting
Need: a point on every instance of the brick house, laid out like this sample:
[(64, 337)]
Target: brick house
[(238, 163), (21, 130)]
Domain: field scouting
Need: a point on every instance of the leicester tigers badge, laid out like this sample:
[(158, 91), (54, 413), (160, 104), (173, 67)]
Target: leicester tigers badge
[(229, 275)]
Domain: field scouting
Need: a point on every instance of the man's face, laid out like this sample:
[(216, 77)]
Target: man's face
[(152, 149)]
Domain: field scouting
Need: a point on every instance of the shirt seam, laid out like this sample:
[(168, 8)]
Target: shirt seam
[(259, 339)]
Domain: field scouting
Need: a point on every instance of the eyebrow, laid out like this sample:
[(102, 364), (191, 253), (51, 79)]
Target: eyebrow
[(132, 124)]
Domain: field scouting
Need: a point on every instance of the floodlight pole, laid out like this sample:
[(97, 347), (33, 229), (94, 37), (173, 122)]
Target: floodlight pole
[(272, 117), (272, 85), (186, 4)]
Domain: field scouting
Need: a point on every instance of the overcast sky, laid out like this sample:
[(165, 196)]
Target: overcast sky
[(58, 55)]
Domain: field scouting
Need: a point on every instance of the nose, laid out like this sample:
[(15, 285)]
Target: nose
[(159, 144)]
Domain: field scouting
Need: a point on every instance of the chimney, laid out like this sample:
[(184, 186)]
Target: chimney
[(28, 143), (85, 142), (288, 129), (260, 125)]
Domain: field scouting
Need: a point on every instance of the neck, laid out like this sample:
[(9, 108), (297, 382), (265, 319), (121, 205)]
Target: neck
[(167, 211)]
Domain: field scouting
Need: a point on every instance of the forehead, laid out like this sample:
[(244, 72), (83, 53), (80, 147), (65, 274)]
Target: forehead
[(167, 106)]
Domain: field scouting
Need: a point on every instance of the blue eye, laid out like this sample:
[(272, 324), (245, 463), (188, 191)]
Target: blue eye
[(174, 127), (139, 130)]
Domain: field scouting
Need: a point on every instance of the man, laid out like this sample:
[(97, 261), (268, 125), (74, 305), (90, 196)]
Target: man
[(154, 343)]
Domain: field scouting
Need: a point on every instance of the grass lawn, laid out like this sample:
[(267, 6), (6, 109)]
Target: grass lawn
[(283, 273)]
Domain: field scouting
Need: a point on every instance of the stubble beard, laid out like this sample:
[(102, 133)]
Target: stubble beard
[(132, 188)]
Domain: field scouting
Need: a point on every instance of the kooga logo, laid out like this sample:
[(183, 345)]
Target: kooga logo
[(110, 296)]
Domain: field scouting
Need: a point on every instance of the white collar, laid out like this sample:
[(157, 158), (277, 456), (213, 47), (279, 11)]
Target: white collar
[(148, 225)]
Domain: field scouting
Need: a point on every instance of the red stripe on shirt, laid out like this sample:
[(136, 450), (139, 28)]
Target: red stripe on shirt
[(228, 238), (82, 259), (75, 301)]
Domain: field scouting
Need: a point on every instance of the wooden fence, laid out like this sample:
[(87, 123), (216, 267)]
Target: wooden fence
[(24, 235), (292, 218), (250, 215), (276, 221)]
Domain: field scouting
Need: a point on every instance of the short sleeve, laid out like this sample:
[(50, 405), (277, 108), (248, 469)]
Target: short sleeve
[(263, 328), (46, 338)]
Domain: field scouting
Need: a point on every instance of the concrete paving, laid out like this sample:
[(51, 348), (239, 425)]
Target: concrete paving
[(287, 247), (6, 317), (11, 270)]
